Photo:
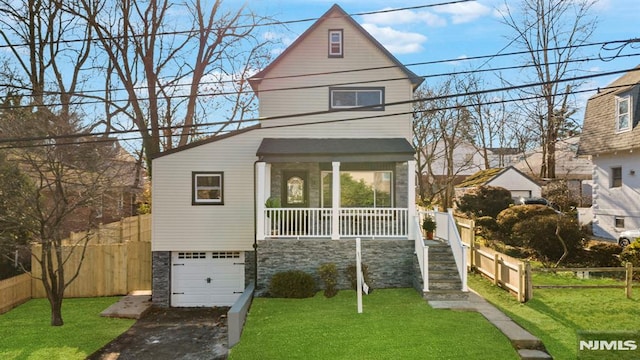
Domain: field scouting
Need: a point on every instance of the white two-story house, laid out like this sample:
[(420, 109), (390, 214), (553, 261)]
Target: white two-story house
[(331, 160), (611, 137)]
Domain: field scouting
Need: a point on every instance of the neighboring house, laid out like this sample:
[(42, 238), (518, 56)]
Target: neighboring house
[(510, 178), (575, 169), (294, 191), (611, 136)]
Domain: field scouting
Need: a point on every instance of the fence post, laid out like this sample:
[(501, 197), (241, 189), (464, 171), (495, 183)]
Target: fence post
[(472, 255), (628, 279), (528, 282), (521, 283), (496, 268)]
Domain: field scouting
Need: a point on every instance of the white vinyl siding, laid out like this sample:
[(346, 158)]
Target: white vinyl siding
[(309, 93), (178, 225)]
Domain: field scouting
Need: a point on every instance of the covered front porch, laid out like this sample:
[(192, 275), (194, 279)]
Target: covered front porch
[(335, 189)]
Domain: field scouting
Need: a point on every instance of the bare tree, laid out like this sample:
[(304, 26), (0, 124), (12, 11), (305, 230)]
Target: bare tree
[(170, 74), (68, 181), (551, 32), (441, 126)]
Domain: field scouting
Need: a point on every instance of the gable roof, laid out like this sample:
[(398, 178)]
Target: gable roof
[(207, 141), (335, 10), (599, 130), (484, 177)]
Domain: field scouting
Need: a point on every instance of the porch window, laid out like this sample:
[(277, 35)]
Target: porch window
[(360, 188), (207, 188)]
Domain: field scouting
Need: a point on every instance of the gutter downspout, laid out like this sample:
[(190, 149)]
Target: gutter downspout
[(255, 224)]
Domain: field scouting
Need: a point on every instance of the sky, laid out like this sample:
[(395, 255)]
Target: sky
[(456, 32)]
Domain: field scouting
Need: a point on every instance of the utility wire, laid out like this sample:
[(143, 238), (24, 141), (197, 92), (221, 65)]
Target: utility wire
[(266, 119), (478, 70), (273, 23), (98, 100)]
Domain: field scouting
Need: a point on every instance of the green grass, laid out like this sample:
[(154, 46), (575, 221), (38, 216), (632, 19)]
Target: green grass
[(555, 315), (395, 324), (25, 332)]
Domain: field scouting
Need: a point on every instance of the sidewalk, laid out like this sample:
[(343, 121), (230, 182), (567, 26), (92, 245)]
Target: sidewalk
[(132, 306), (528, 346)]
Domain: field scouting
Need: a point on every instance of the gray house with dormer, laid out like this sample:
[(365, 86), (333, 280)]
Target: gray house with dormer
[(611, 136)]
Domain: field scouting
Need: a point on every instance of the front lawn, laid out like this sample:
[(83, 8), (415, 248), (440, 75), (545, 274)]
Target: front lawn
[(555, 315), (395, 324), (25, 332)]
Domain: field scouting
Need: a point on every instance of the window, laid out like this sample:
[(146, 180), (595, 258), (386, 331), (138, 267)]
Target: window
[(207, 188), (360, 188), (623, 113), (619, 221), (335, 43), (616, 177), (347, 98)]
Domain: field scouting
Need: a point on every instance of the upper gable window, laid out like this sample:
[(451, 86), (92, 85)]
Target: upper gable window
[(347, 98), (623, 113), (335, 43)]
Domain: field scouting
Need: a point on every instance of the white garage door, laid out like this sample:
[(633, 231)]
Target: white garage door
[(206, 278)]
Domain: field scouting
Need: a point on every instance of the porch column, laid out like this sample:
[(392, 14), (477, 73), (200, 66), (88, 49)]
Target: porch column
[(260, 199), (411, 197), (335, 201)]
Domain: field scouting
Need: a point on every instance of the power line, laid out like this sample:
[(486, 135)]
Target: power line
[(99, 100), (369, 117), (286, 22)]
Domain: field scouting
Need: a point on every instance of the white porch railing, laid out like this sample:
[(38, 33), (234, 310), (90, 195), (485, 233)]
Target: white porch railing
[(446, 229), (353, 222)]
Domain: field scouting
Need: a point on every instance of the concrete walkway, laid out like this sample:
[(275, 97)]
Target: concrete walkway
[(528, 346), (132, 306)]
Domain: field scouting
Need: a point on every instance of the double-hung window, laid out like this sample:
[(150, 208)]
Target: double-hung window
[(335, 43), (349, 98), (623, 113), (207, 188)]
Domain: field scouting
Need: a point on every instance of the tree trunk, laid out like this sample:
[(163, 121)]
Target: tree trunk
[(56, 310)]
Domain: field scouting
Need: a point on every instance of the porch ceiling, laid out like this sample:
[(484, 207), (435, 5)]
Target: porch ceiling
[(343, 150)]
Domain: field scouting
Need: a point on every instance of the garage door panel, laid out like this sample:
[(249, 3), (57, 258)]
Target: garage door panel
[(206, 278)]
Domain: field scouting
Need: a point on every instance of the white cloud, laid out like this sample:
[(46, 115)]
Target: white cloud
[(397, 42), (464, 12), (405, 17)]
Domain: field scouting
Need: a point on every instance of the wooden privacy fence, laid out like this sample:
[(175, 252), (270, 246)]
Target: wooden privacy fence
[(107, 269), (134, 228), (14, 291), (505, 271)]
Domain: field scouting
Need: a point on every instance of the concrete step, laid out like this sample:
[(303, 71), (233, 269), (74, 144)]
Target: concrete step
[(443, 274), (528, 354), (445, 295), (445, 285)]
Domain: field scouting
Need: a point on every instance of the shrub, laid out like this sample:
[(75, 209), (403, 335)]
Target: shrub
[(351, 275), (538, 233), (631, 253), (485, 201), (602, 255), (292, 284), (329, 276), (508, 218)]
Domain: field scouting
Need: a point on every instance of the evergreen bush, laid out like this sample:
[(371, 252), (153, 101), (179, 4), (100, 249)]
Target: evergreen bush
[(292, 284), (329, 275)]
